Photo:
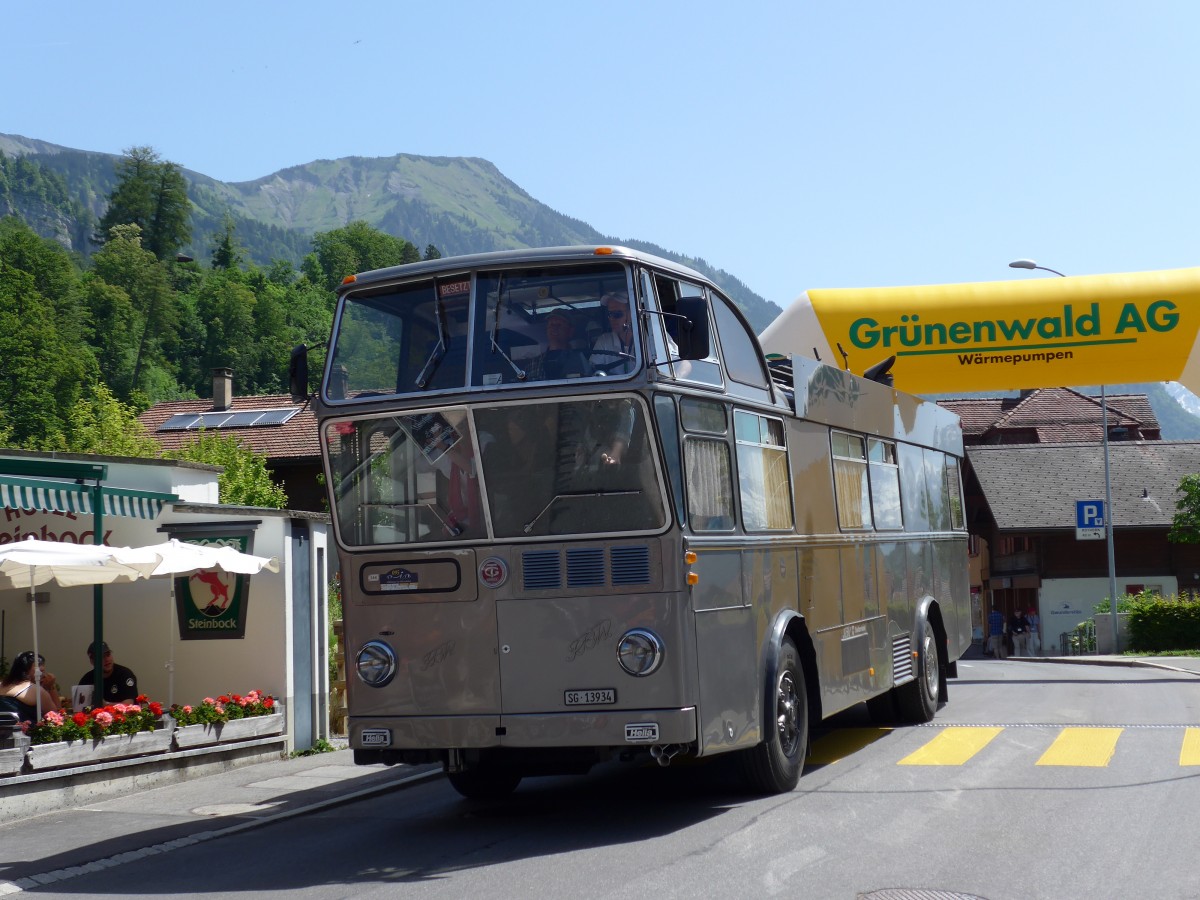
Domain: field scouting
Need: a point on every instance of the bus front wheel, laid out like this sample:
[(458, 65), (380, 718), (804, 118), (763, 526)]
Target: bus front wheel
[(484, 783), (774, 766)]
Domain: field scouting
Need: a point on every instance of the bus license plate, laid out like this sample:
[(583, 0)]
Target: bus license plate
[(590, 697)]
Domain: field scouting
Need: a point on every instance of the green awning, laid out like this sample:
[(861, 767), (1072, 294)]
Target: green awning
[(59, 496)]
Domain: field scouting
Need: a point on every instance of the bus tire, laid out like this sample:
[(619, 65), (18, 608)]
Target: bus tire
[(917, 701), (485, 783), (774, 766)]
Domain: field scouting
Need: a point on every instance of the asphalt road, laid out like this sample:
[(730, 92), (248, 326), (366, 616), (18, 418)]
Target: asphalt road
[(1036, 781)]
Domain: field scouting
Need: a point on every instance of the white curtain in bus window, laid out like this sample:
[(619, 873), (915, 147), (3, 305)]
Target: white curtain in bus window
[(709, 484), (954, 493), (850, 480), (762, 472), (885, 484)]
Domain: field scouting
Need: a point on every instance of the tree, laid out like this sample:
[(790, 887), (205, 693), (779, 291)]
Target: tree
[(244, 480), (100, 423), (1185, 527), (226, 252), (152, 194), (125, 264), (41, 374), (432, 252), (357, 247)]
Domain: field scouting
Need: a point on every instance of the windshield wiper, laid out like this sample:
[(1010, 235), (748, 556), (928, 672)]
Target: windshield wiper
[(439, 351), (496, 348), (571, 494), (452, 527)]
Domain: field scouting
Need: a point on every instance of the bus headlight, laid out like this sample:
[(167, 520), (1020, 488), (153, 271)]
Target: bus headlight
[(376, 663), (640, 652)]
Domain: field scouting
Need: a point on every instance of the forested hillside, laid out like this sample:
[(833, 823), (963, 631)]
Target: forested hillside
[(458, 204)]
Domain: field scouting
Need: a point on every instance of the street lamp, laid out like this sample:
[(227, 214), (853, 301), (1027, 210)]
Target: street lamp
[(1108, 507)]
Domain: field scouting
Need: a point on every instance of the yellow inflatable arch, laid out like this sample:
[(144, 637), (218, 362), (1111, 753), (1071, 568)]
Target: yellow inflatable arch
[(1004, 335)]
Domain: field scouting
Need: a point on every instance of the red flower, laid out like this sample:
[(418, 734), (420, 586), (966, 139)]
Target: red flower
[(80, 719), (156, 708), (224, 698), (269, 703), (142, 698)]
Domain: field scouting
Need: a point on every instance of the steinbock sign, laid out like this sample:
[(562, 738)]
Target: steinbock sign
[(1047, 332), (212, 605)]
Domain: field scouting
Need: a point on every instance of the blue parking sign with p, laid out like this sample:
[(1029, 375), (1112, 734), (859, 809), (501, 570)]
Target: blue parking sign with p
[(1089, 513)]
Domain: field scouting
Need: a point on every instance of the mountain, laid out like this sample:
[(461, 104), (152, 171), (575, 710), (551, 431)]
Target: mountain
[(458, 204)]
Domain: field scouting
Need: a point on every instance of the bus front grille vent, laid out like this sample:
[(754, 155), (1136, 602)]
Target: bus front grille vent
[(630, 565), (542, 569), (585, 567), (902, 661)]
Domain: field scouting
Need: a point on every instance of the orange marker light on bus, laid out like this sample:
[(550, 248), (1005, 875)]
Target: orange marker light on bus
[(350, 279), (690, 557), (603, 251), (693, 578)]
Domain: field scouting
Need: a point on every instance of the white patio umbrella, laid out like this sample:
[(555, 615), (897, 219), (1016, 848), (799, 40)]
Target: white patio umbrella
[(181, 558), (28, 563)]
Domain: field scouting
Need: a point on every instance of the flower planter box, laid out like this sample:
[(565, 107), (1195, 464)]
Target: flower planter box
[(227, 732), (11, 760), (113, 746)]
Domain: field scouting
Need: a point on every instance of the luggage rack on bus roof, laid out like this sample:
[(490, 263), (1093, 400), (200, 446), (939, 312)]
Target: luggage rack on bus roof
[(780, 368)]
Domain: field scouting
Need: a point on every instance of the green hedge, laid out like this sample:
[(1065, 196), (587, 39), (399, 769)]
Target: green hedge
[(1163, 623)]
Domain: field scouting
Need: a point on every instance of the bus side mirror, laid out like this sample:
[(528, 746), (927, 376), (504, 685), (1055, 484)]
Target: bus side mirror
[(298, 373), (693, 329)]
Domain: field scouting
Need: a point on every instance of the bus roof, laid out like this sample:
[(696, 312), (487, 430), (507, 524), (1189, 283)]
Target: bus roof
[(529, 255)]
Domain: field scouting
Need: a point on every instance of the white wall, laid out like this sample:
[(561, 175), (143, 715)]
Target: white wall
[(140, 623), (1065, 602)]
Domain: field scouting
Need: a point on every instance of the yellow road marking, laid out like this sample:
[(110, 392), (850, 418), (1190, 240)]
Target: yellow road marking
[(1189, 754), (837, 745), (1082, 747), (953, 747)]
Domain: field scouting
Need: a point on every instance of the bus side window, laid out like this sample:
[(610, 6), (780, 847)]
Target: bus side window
[(708, 466), (703, 371)]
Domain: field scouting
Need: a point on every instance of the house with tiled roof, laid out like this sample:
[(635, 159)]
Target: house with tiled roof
[(1029, 460), (1052, 415), (273, 425), (1037, 559)]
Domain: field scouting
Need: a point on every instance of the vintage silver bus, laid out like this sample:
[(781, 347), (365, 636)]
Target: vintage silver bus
[(580, 517)]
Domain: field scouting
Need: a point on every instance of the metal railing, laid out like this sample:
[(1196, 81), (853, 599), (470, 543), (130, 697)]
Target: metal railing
[(1079, 641)]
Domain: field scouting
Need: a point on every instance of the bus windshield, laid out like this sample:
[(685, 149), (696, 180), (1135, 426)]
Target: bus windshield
[(527, 470), (504, 327)]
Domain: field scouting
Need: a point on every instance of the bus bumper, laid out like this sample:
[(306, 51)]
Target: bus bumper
[(618, 729)]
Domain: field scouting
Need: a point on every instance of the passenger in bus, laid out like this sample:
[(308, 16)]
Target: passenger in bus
[(613, 353), (560, 360)]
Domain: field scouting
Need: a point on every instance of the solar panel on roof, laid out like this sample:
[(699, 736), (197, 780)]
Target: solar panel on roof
[(179, 422), (277, 416), (242, 419)]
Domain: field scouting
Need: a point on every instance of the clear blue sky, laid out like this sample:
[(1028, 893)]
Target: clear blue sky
[(794, 144)]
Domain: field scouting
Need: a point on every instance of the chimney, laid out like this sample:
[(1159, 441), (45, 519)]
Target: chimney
[(222, 389)]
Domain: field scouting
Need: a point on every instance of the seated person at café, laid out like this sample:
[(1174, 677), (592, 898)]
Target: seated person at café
[(120, 684), (25, 681)]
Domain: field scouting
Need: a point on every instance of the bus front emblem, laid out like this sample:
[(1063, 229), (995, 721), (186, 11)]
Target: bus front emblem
[(493, 571)]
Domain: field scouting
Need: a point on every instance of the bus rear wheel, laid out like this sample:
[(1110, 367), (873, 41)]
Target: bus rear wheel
[(484, 783), (917, 701), (774, 766)]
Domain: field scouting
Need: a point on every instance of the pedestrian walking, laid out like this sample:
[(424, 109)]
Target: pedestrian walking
[(995, 642), (1035, 632), (1018, 627)]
